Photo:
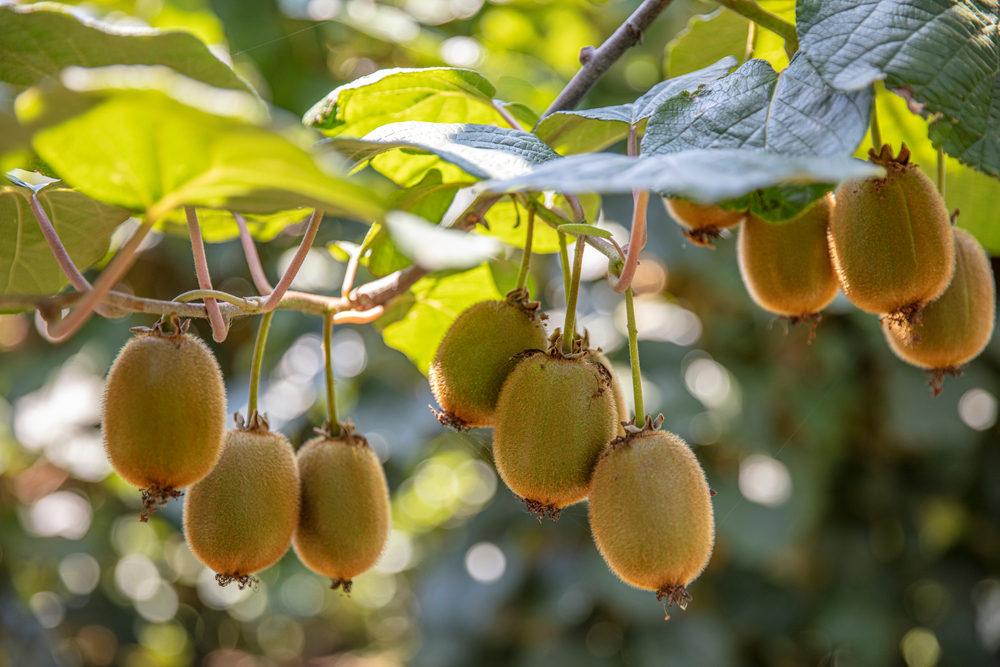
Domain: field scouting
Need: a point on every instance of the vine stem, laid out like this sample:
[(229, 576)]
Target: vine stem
[(258, 357), (876, 132), (765, 19), (941, 170), (333, 426), (564, 261), (637, 239), (260, 280), (595, 62), (522, 274), (271, 302), (219, 328), (569, 330), (110, 277), (203, 294), (633, 355), (500, 109)]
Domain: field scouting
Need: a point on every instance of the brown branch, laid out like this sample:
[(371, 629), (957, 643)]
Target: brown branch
[(597, 62)]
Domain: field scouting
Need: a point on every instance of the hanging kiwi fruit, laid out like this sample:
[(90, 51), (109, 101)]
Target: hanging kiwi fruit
[(651, 512), (239, 519), (164, 412), (891, 240), (555, 415), (956, 327), (702, 223), (786, 267), (616, 388), (345, 521), (476, 354)]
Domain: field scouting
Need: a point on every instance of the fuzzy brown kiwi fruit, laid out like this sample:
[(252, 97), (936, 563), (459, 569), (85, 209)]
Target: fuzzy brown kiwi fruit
[(616, 388), (475, 355), (164, 413), (702, 223), (555, 416), (240, 518), (651, 512), (956, 327), (891, 241), (344, 522), (786, 268)]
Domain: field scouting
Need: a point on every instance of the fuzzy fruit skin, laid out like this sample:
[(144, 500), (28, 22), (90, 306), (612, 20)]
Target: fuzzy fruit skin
[(891, 241), (554, 418), (957, 326), (697, 217), (345, 520), (651, 513), (475, 357), (240, 518), (616, 388), (787, 268), (164, 411)]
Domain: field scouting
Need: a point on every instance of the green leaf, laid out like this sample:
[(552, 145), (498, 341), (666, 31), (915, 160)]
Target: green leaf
[(437, 248), (706, 175), (438, 94), (591, 130), (430, 198), (416, 322), (219, 226), (508, 222), (84, 226), (460, 151), (116, 150), (793, 113), (385, 257), (778, 204), (584, 230), (41, 39), (522, 113), (973, 193), (946, 55), (706, 39)]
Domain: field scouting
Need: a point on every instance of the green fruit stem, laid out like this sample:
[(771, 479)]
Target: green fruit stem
[(569, 331), (633, 356), (258, 356), (522, 274), (940, 170), (564, 260), (331, 398), (876, 132)]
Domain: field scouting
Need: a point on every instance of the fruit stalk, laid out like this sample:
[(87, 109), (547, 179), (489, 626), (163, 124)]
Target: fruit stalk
[(522, 274), (940, 170), (258, 356), (564, 260), (633, 357), (219, 329), (331, 398), (569, 331)]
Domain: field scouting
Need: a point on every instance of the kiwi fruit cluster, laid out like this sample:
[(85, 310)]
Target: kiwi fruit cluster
[(249, 496)]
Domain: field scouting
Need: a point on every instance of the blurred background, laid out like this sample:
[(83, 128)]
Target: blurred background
[(858, 518)]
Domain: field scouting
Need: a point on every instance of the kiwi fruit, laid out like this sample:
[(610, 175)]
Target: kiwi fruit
[(786, 267), (164, 412), (475, 355), (344, 521), (616, 389), (891, 240), (555, 416), (651, 512), (240, 518), (955, 327), (702, 223)]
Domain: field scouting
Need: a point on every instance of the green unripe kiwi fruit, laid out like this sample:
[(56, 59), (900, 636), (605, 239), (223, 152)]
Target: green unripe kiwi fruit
[(891, 240), (616, 388), (702, 223), (956, 327), (651, 513), (240, 518), (164, 413), (786, 267), (554, 418), (345, 520), (475, 357)]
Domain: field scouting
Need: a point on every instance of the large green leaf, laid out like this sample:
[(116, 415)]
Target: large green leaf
[(41, 39), (508, 222), (706, 175), (946, 55), (84, 226), (434, 248), (794, 113), (146, 151), (973, 193), (590, 130), (416, 323), (706, 39), (218, 226), (460, 151), (438, 94)]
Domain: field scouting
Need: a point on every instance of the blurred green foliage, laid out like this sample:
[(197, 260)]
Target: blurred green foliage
[(857, 516)]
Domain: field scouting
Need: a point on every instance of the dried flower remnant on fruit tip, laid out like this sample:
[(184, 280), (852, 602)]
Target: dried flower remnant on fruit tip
[(241, 580), (345, 586), (540, 510), (154, 497)]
